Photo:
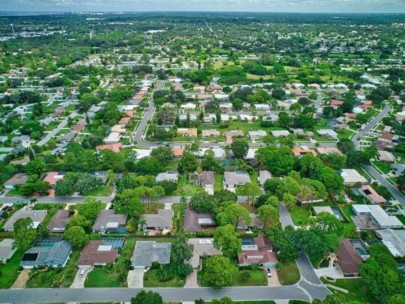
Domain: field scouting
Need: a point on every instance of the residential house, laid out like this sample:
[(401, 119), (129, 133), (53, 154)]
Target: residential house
[(352, 177), (264, 175), (53, 177), (386, 156), (205, 179), (372, 195), (234, 179), (300, 151), (328, 133), (255, 223), (374, 217), (257, 251), (201, 248), (328, 150), (178, 151), (257, 134), (7, 250), (50, 252), (394, 240), (195, 222), (118, 129), (167, 176), (280, 133), (225, 107), (37, 217), (16, 180), (113, 147), (97, 253), (210, 133), (148, 252), (231, 134), (163, 220), (349, 260), (109, 222), (112, 138), (59, 221), (187, 132)]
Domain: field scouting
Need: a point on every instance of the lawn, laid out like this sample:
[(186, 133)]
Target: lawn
[(9, 271), (100, 191), (383, 167), (219, 183), (151, 279), (186, 189), (288, 274), (357, 289), (102, 277), (115, 275), (179, 210), (256, 278), (300, 215), (54, 277)]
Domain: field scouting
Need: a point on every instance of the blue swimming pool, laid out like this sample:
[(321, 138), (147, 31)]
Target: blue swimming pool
[(247, 241)]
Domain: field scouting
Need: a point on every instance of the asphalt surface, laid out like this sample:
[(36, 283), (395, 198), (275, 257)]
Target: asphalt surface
[(57, 295), (55, 131), (51, 200), (371, 170), (285, 217)]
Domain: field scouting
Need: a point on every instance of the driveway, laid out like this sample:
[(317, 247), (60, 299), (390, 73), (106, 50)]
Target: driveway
[(191, 281), (80, 279), (273, 280), (135, 278), (331, 271), (22, 279)]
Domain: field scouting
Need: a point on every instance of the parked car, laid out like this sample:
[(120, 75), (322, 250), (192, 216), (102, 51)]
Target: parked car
[(268, 272)]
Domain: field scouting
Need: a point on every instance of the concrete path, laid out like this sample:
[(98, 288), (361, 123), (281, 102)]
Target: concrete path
[(191, 280), (135, 278), (80, 279), (273, 280), (22, 279)]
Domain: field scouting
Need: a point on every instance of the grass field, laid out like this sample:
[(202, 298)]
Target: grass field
[(356, 287), (300, 215), (257, 278), (383, 167), (151, 279), (100, 191), (288, 274), (219, 183), (9, 271)]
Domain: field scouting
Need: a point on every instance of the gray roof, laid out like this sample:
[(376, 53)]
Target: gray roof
[(59, 221), (148, 252), (55, 255), (164, 219), (167, 176), (108, 219), (37, 217), (206, 178), (6, 249), (237, 178), (194, 222)]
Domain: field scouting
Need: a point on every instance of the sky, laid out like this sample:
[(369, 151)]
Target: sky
[(300, 6)]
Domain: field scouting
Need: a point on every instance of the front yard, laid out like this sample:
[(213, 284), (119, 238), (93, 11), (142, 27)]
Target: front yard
[(9, 271), (151, 279), (300, 215), (250, 278), (288, 274), (357, 289)]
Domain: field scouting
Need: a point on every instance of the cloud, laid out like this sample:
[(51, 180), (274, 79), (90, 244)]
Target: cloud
[(347, 6)]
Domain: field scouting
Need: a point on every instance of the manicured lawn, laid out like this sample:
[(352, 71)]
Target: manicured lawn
[(288, 274), (14, 192), (151, 279), (9, 271), (357, 289), (219, 183), (102, 277), (257, 278), (60, 277), (179, 210), (300, 215), (383, 167), (100, 191), (345, 134)]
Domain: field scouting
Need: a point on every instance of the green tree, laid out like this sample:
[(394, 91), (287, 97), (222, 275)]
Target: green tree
[(345, 145), (251, 190), (332, 181), (180, 253), (218, 271), (240, 148), (227, 240), (187, 163), (147, 297), (327, 222), (268, 214), (76, 236), (24, 233), (310, 165), (36, 166), (284, 243), (233, 214), (279, 161), (203, 202), (163, 154)]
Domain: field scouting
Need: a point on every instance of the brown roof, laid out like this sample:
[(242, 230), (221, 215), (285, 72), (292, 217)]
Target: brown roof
[(256, 257), (94, 254), (194, 222), (59, 221), (349, 259), (387, 136)]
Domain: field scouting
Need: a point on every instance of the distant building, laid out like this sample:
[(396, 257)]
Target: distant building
[(108, 221)]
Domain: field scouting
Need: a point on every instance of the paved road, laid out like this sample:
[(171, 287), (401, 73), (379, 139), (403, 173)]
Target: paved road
[(393, 190), (52, 200), (53, 295), (285, 217), (371, 170), (356, 138), (55, 131)]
